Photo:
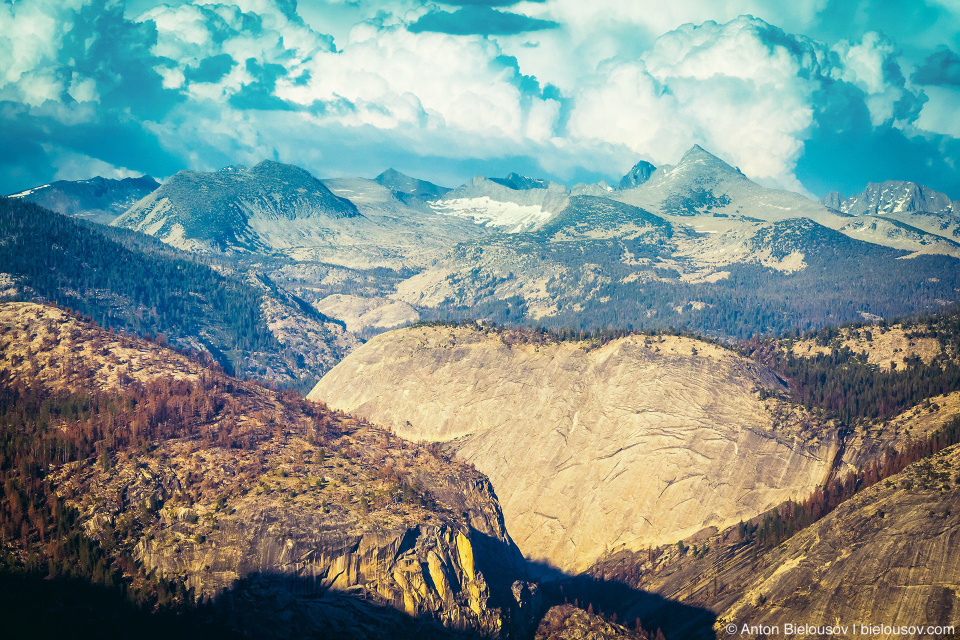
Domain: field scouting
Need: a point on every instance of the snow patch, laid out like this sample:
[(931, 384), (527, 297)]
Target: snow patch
[(510, 216), (24, 194)]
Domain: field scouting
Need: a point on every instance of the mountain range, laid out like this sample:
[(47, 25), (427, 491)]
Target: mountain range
[(654, 478), (547, 451), (98, 199), (670, 246)]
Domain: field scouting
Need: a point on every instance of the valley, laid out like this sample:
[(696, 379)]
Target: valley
[(234, 493), (207, 481), (256, 402)]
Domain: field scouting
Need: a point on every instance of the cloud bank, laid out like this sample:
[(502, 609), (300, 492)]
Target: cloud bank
[(444, 91)]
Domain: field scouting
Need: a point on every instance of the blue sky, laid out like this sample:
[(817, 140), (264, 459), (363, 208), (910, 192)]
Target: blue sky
[(810, 96)]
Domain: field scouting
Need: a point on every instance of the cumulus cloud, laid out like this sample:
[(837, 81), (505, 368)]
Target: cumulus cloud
[(744, 88), (477, 18), (486, 3), (67, 70), (390, 77), (79, 166), (576, 90), (940, 68)]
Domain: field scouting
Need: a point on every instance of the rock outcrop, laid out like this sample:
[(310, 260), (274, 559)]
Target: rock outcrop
[(367, 315), (884, 557), (566, 622), (638, 442), (262, 502), (889, 557)]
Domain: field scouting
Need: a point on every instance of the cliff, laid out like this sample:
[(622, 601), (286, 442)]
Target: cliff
[(885, 556), (277, 509), (888, 556), (636, 442)]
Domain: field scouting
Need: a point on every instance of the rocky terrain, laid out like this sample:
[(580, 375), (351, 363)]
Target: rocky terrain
[(637, 175), (47, 344), (888, 556), (714, 498), (100, 200), (242, 319), (859, 550), (246, 495), (237, 208), (671, 246), (311, 342), (363, 315), (409, 189), (640, 441), (884, 557), (670, 250), (274, 209), (566, 622), (906, 202), (398, 229), (513, 204)]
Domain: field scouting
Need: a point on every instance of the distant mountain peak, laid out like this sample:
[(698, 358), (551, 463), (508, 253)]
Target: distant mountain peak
[(390, 173), (699, 155), (893, 197), (521, 183), (833, 200), (97, 199), (698, 169), (235, 209), (279, 170), (637, 175), (405, 187)]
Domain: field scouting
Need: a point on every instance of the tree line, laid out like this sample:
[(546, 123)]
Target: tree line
[(126, 282), (842, 382)]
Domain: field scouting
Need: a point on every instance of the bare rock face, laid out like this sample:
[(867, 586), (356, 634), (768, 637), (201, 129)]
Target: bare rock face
[(362, 314), (638, 442), (889, 556), (883, 557), (310, 528)]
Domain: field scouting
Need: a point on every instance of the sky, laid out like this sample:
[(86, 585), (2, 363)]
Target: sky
[(810, 95)]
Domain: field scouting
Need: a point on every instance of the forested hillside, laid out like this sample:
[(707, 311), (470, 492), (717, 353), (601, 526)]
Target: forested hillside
[(597, 283), (151, 484), (858, 373), (126, 280)]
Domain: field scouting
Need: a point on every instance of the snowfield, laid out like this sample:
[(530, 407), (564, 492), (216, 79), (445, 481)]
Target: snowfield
[(508, 216)]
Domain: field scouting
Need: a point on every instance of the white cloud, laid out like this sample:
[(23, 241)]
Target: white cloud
[(864, 61), (601, 30), (633, 83), (939, 114), (394, 77), (744, 89), (724, 86), (865, 65), (257, 29), (83, 89), (77, 166), (30, 36)]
